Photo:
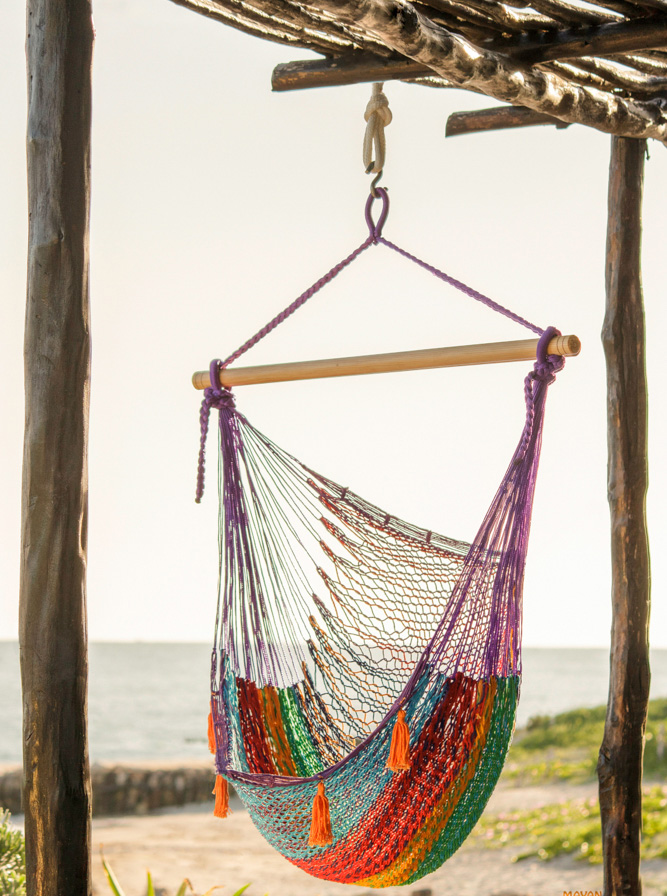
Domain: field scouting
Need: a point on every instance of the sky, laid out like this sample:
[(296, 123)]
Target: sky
[(215, 202)]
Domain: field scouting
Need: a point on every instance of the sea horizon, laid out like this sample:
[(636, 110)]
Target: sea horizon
[(148, 700)]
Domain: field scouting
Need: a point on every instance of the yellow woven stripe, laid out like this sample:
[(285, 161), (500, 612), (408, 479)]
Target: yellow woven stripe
[(414, 853)]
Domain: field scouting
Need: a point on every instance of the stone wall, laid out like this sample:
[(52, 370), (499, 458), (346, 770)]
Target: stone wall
[(130, 789)]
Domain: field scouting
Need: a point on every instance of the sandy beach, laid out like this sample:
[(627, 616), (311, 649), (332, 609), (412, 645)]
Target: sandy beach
[(189, 842)]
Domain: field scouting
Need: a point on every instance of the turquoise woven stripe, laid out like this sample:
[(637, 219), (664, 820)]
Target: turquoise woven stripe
[(283, 814), (476, 795), (237, 758)]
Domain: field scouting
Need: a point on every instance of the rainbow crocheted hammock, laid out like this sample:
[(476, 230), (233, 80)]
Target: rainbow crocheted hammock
[(365, 672)]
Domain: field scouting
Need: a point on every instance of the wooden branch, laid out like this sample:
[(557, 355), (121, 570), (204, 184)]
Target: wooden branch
[(510, 20), (497, 119), (627, 8), (359, 67), (391, 362), (638, 84), (598, 40), (652, 62), (352, 68), (257, 22), (52, 610), (652, 5), (401, 27), (620, 758), (566, 13)]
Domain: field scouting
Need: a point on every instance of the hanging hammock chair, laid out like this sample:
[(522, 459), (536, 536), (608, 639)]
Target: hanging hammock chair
[(366, 672)]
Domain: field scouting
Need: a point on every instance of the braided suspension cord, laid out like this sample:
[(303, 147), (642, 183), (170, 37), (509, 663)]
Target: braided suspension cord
[(215, 396)]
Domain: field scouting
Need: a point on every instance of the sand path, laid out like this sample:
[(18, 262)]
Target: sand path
[(191, 843)]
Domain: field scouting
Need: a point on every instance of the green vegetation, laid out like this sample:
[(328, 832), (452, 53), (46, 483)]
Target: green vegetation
[(12, 859), (185, 888), (565, 747), (571, 828)]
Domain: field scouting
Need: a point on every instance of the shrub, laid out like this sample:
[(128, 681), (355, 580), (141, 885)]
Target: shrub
[(12, 859)]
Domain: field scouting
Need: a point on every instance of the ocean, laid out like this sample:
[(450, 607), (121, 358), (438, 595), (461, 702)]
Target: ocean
[(150, 701)]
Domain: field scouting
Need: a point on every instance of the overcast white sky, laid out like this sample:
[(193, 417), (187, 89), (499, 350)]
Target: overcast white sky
[(215, 203)]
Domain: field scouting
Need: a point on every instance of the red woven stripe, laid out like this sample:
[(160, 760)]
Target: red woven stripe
[(409, 798), (255, 740)]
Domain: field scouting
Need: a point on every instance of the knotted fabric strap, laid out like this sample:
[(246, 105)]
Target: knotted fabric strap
[(218, 397), (377, 117)]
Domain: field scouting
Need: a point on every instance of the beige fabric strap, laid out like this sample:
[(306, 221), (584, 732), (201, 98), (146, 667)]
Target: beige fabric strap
[(378, 116)]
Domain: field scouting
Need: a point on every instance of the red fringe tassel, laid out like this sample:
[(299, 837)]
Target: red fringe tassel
[(221, 792), (211, 733), (320, 828), (399, 751)]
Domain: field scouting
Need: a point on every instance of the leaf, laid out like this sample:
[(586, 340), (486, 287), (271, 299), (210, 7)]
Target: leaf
[(111, 877), (150, 889), (181, 889), (220, 886), (238, 892)]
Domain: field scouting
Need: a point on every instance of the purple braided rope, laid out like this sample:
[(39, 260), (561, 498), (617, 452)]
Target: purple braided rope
[(545, 370), (297, 303), (218, 397), (468, 290), (376, 234), (214, 397)]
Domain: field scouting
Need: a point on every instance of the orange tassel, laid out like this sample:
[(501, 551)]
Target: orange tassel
[(211, 733), (221, 792), (320, 829), (399, 752)]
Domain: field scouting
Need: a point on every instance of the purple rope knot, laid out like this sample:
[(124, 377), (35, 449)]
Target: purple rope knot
[(375, 230), (216, 396), (547, 366), (544, 371), (220, 399)]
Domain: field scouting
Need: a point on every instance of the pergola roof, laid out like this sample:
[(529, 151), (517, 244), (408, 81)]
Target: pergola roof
[(603, 65)]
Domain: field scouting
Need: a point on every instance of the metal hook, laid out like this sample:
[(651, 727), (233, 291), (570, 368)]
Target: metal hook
[(375, 181)]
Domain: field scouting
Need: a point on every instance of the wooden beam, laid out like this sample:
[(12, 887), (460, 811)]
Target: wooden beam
[(390, 362), (351, 68), (621, 753), (408, 32), (645, 33), (500, 118), (52, 613)]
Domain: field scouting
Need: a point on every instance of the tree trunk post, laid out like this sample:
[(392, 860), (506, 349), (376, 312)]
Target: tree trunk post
[(621, 753), (52, 614)]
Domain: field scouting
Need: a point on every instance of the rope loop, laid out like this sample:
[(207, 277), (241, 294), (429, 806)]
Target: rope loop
[(216, 396), (377, 116), (544, 371), (375, 229)]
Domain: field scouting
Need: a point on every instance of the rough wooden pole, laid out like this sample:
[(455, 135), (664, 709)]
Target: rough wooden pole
[(621, 753), (52, 618)]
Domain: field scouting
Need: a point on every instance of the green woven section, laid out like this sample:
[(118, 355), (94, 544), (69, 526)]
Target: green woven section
[(305, 756)]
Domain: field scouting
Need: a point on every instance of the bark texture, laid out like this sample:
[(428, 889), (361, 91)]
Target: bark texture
[(609, 39), (52, 618), (352, 68), (498, 119), (405, 30), (621, 752), (473, 44)]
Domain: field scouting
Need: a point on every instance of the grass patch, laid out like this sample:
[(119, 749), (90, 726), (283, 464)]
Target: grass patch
[(12, 859), (571, 828), (565, 747)]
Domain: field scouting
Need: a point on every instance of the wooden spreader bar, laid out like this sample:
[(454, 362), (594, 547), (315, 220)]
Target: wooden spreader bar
[(421, 359)]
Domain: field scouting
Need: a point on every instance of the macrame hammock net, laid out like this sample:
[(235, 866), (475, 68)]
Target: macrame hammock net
[(366, 672)]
